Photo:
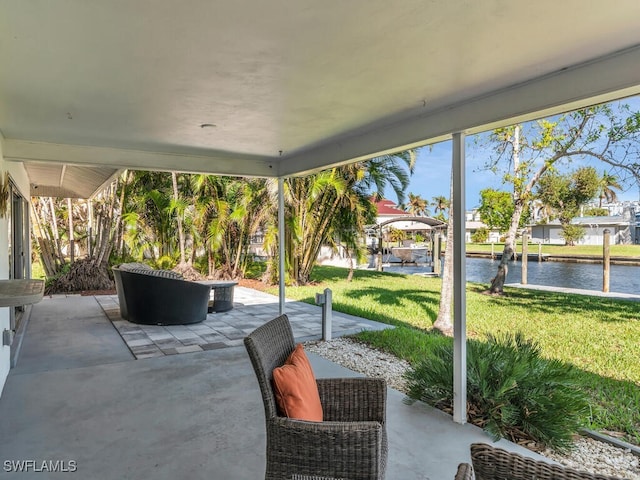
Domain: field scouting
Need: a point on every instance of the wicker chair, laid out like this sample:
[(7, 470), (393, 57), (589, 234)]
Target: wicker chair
[(351, 442), (490, 463)]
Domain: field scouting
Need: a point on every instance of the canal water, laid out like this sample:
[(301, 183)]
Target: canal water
[(624, 278)]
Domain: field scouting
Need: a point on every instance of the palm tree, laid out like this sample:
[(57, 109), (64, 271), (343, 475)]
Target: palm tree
[(396, 235), (387, 170), (440, 204), (147, 216), (443, 321), (150, 213), (329, 208), (318, 206), (178, 207), (607, 183), (418, 206), (228, 212)]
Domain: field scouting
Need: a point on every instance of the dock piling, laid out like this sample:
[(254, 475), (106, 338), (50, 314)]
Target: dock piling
[(525, 256), (606, 260)]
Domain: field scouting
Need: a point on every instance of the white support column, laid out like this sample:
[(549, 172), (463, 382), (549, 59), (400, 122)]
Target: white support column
[(281, 270), (459, 284)]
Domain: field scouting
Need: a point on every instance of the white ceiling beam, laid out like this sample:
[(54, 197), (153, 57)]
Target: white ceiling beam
[(105, 184), (62, 172), (25, 151), (601, 80)]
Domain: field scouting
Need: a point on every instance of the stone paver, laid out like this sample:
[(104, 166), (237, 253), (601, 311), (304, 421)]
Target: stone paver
[(252, 308)]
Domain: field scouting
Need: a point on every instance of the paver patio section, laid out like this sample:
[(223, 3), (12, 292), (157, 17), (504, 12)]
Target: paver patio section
[(252, 308)]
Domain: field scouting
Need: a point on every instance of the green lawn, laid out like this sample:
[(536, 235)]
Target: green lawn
[(37, 272), (616, 250), (599, 336)]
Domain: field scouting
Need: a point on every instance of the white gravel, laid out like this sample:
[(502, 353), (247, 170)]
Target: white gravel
[(589, 454)]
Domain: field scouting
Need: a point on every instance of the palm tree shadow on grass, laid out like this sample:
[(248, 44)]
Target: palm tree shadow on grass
[(553, 302), (425, 301), (330, 274)]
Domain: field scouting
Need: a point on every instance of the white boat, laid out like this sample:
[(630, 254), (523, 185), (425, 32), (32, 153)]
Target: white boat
[(411, 254)]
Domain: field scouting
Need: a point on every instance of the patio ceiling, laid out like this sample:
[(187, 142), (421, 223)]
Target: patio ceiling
[(291, 87), (67, 181)]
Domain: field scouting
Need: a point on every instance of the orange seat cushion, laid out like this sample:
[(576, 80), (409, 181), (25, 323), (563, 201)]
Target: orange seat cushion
[(296, 388)]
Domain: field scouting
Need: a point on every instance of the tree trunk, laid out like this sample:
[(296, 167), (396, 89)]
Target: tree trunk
[(54, 229), (90, 231), (119, 240), (50, 259), (237, 260), (107, 226), (72, 246), (443, 323), (174, 179), (351, 266), (497, 283), (47, 257)]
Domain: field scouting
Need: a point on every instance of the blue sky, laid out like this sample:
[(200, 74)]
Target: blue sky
[(433, 171)]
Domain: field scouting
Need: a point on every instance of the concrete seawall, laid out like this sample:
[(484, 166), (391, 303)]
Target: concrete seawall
[(549, 257)]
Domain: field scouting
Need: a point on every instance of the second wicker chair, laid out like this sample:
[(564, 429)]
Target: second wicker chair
[(490, 463)]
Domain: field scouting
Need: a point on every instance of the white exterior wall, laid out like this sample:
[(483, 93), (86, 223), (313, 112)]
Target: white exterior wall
[(593, 235), (19, 176), (549, 234)]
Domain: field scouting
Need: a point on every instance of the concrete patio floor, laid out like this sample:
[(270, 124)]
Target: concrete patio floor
[(78, 393)]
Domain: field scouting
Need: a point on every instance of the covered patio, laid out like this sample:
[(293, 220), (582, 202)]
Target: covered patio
[(78, 394), (270, 89)]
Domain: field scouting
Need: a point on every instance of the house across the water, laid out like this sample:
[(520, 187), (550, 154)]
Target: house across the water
[(624, 229)]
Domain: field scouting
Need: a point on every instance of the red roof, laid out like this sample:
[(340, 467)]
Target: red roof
[(387, 207)]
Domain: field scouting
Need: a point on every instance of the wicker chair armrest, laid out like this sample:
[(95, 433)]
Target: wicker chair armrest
[(465, 472), (353, 399), (354, 450)]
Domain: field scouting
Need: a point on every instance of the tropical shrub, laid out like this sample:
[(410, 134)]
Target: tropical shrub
[(572, 233), (81, 275), (512, 391), (481, 235)]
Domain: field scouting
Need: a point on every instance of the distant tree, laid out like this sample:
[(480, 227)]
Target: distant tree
[(572, 234), (396, 235), (481, 235), (418, 206), (606, 188), (595, 212), (496, 209), (527, 152), (440, 206), (543, 213), (565, 194)]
